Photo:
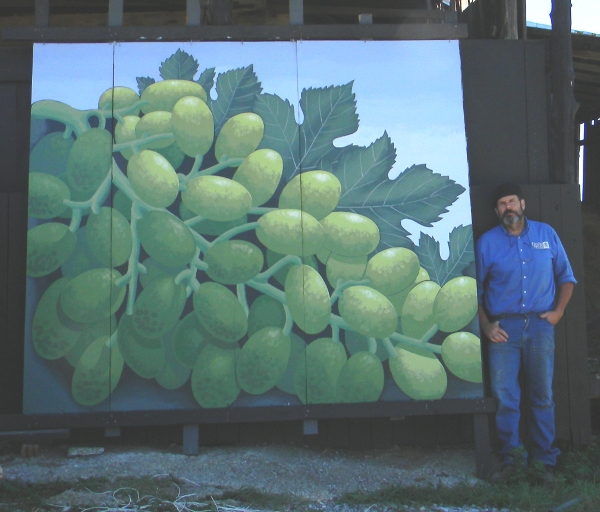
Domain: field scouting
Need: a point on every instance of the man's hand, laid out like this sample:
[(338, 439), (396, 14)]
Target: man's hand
[(495, 333), (552, 316)]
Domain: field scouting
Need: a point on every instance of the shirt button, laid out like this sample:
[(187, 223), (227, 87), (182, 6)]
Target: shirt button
[(525, 291)]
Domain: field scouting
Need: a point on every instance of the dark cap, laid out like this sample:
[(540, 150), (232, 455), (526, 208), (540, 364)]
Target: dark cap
[(506, 189)]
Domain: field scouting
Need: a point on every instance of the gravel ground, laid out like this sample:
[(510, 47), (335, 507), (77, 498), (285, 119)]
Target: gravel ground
[(311, 474)]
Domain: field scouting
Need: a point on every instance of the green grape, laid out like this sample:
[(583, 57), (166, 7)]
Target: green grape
[(166, 239), (361, 379), (46, 196), (356, 342), (89, 162), (397, 299), (80, 260), (417, 312), (263, 360), (308, 299), (97, 373), (265, 312), (239, 136), (122, 204), (217, 198), (189, 339), (88, 334), (48, 247), (456, 304), (323, 255), (345, 267), (173, 154), (315, 192), (350, 234), (260, 173), (155, 269), (158, 308), (421, 376), (210, 227), (51, 338), (461, 352), (220, 312), (108, 237), (125, 132), (233, 261), (368, 312), (117, 98), (50, 154), (315, 377), (153, 178), (173, 375), (213, 377), (145, 356), (155, 123), (392, 270), (280, 276), (193, 126), (290, 232), (92, 296), (165, 94)]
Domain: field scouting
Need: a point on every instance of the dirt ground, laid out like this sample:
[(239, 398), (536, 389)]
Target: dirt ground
[(318, 475)]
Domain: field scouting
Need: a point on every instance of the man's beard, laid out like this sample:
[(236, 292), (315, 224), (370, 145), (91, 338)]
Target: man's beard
[(511, 220)]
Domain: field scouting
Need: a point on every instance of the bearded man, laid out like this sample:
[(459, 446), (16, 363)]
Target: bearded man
[(524, 283)]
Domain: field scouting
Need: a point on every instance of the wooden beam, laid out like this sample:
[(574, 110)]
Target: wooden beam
[(193, 12), (563, 106), (296, 12), (586, 54), (583, 66), (587, 78), (375, 11), (384, 32), (42, 13), (115, 13)]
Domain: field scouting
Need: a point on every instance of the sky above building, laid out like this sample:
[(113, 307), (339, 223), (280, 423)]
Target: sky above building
[(585, 14)]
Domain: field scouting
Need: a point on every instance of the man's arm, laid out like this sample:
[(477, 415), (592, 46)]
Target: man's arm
[(565, 291), (491, 329)]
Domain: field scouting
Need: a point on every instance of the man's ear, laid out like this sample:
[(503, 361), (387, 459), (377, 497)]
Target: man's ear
[(522, 204)]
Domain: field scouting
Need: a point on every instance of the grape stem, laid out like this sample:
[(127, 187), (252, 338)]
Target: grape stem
[(289, 321), (95, 202), (75, 120), (136, 144), (130, 279), (260, 210), (423, 343), (241, 294), (194, 220), (343, 285), (372, 345), (268, 289), (233, 232), (335, 333), (183, 179), (230, 162), (286, 260)]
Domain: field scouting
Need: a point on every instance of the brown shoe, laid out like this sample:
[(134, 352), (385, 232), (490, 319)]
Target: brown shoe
[(547, 475), (503, 475)]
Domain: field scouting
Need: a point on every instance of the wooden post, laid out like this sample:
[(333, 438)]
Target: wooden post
[(193, 12), (507, 20), (563, 104), (42, 13)]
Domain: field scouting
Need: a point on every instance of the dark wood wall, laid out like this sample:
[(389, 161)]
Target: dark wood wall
[(505, 96), (505, 99), (15, 103)]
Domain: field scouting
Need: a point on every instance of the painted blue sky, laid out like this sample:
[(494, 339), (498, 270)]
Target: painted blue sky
[(412, 90)]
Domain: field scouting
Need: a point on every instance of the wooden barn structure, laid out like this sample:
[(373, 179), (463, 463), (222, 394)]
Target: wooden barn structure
[(507, 85)]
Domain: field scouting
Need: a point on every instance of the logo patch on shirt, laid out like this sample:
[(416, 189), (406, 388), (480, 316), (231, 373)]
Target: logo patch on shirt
[(540, 245)]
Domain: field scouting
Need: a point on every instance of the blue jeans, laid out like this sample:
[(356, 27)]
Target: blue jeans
[(530, 344)]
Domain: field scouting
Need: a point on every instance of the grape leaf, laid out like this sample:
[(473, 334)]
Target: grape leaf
[(329, 113), (236, 90), (143, 82), (179, 66), (207, 79), (281, 130), (417, 193), (460, 255)]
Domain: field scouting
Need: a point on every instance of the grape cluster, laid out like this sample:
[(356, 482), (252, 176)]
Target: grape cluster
[(177, 250)]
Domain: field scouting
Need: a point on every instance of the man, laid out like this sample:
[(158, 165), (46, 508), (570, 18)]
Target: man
[(524, 283)]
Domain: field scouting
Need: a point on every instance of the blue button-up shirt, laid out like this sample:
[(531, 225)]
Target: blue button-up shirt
[(519, 274)]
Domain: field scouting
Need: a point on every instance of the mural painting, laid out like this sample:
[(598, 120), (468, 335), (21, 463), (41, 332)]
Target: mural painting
[(213, 237)]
